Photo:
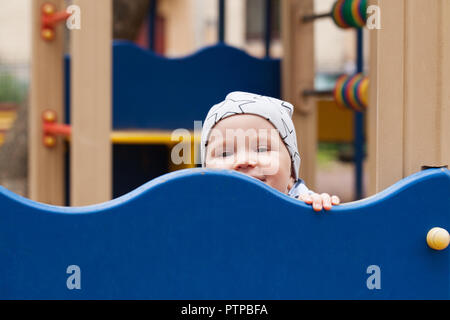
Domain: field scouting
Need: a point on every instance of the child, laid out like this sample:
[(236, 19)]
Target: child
[(255, 135)]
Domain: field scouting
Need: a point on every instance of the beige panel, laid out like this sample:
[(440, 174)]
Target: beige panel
[(297, 75), (410, 56), (235, 15), (179, 26), (91, 104), (444, 86), (386, 97), (46, 165), (422, 92), (371, 115)]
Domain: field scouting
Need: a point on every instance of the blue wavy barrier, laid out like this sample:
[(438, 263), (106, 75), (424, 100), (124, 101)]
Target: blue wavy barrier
[(197, 234)]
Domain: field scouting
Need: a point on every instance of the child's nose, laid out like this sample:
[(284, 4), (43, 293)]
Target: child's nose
[(243, 161)]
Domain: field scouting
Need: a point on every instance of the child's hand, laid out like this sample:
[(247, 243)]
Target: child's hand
[(319, 200)]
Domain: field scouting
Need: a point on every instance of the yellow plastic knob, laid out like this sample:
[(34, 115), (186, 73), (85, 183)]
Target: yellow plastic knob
[(49, 116), (47, 34), (48, 8), (49, 141), (438, 238)]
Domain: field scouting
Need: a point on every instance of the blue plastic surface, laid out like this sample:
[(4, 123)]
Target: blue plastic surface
[(154, 92), (197, 234)]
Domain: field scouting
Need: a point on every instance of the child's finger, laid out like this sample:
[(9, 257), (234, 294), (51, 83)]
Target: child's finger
[(305, 198), (317, 202), (335, 200), (326, 201)]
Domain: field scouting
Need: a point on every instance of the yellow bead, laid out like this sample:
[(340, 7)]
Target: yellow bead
[(49, 141), (365, 91), (49, 116), (48, 8), (48, 34), (438, 238)]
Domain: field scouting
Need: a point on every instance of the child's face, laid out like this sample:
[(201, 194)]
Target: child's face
[(251, 145)]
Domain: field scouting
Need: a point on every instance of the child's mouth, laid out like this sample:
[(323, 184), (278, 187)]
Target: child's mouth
[(261, 178)]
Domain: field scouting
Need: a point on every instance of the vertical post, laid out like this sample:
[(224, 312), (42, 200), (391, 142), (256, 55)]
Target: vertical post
[(221, 27), (267, 26), (410, 97), (444, 95), (151, 24), (358, 121), (427, 85), (297, 75), (386, 101), (46, 165), (91, 104)]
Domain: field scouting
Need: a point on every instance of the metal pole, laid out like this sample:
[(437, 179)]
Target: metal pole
[(358, 120), (312, 17), (268, 26), (151, 25), (221, 27), (317, 93)]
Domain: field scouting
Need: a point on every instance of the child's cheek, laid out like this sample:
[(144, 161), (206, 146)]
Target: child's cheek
[(220, 163), (269, 163)]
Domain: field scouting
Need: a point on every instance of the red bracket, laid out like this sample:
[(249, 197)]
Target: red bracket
[(49, 19), (51, 129)]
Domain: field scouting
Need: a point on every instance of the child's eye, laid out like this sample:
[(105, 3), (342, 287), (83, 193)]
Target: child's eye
[(263, 149)]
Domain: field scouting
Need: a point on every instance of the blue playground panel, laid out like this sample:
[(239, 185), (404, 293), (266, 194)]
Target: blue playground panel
[(155, 92), (198, 234)]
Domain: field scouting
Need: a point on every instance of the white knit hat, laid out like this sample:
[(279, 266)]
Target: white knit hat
[(276, 111)]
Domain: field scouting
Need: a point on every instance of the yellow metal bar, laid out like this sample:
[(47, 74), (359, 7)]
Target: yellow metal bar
[(148, 137)]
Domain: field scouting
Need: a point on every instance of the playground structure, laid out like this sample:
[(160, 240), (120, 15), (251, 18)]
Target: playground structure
[(388, 230), (125, 82)]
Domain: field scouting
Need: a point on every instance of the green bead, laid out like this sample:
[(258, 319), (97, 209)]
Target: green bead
[(363, 10), (347, 12)]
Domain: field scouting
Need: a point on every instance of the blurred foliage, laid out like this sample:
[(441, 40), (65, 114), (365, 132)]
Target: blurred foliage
[(327, 153), (11, 89)]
